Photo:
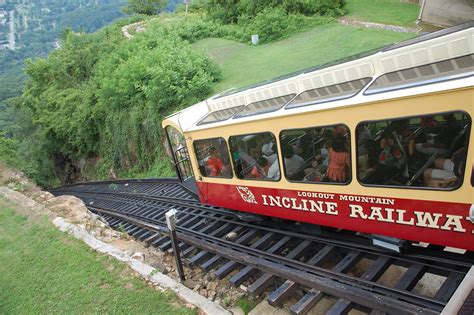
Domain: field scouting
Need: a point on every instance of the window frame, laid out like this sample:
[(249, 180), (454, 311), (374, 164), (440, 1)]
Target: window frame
[(276, 152), (321, 183), (448, 189), (197, 158)]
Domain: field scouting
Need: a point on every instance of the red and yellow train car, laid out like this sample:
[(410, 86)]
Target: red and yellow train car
[(380, 144)]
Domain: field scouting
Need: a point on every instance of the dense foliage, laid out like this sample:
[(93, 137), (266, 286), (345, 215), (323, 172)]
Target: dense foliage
[(230, 11), (101, 95), (97, 102), (147, 7)]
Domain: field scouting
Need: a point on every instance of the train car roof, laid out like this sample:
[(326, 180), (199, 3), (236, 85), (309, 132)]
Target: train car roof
[(428, 63)]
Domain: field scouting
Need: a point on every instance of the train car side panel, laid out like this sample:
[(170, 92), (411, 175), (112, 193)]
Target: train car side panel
[(444, 223)]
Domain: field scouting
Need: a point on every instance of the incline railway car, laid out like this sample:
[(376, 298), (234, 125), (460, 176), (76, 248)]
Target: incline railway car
[(380, 144)]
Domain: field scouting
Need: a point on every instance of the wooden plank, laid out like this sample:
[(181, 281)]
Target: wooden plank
[(203, 255), (277, 297), (238, 278), (262, 282), (230, 266), (306, 303), (411, 277), (377, 269), (449, 286), (199, 257), (313, 296), (244, 239), (202, 228), (211, 263), (266, 279), (153, 237), (341, 307)]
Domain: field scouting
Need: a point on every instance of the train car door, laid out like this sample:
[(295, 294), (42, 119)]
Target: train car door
[(178, 151)]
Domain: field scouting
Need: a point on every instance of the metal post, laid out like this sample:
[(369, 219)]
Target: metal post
[(171, 223), (186, 3)]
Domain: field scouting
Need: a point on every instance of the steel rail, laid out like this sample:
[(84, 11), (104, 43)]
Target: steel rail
[(343, 278), (140, 211), (366, 295), (458, 260)]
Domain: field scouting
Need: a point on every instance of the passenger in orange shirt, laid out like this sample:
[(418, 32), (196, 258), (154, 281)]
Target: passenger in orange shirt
[(339, 161), (214, 163)]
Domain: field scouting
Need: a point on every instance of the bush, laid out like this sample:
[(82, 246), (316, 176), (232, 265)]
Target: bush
[(103, 97), (230, 11), (273, 23), (330, 8)]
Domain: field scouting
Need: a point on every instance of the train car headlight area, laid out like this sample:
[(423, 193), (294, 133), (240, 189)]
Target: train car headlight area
[(379, 143)]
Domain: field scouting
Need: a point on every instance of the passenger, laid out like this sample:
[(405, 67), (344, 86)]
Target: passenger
[(297, 147), (363, 139), (447, 172), (428, 122), (341, 130), (396, 143), (214, 163), (440, 143), (328, 134), (260, 170), (339, 161), (268, 151), (274, 171), (293, 162)]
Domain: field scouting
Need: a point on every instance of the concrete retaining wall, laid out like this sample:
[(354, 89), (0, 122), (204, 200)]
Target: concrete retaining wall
[(446, 12)]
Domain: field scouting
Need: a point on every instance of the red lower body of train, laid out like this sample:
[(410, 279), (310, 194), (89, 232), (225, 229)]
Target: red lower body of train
[(442, 223)]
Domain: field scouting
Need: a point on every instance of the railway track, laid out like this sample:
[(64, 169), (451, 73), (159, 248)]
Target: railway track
[(283, 263)]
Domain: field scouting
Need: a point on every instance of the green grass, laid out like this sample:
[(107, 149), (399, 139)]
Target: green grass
[(44, 271), (246, 304), (392, 12), (243, 64)]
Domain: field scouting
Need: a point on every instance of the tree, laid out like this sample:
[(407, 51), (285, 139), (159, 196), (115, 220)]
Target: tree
[(148, 7)]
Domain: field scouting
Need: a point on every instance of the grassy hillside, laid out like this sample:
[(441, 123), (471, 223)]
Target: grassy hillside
[(393, 12), (243, 64), (45, 271)]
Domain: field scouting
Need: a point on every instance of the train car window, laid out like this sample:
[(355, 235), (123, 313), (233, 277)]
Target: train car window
[(213, 157), (329, 93), (255, 156), (424, 151), (264, 106), (317, 154), (425, 74)]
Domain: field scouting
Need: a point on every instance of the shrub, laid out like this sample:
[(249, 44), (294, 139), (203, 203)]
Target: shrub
[(273, 23), (229, 11)]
